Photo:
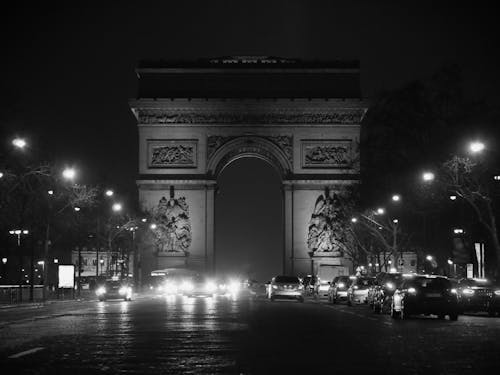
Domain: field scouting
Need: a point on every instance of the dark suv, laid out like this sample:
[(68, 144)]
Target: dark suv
[(425, 295), (477, 295), (385, 285)]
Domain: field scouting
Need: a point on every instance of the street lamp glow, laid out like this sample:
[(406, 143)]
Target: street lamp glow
[(395, 221), (109, 193), (450, 262), (4, 260), (77, 209), (354, 220), (56, 260), (69, 173), (25, 231), (153, 226), (144, 220), (458, 231), (496, 178), (41, 262), (19, 142), (50, 192), (429, 258), (396, 198), (117, 207), (1, 174), (476, 147), (453, 197), (380, 211), (428, 176)]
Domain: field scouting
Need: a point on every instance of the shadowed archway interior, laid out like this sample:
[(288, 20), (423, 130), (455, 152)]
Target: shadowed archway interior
[(249, 220)]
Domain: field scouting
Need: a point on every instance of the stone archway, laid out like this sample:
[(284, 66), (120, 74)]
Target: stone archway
[(310, 135)]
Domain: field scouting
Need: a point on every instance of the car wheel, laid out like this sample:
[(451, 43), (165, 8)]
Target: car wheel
[(453, 316)]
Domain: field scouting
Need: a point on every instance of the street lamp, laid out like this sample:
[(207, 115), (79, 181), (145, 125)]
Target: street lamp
[(458, 231), (1, 174), (354, 220), (396, 198), (19, 143), (117, 207), (395, 221), (476, 147), (380, 211), (69, 173), (428, 176), (109, 193), (4, 260), (153, 226), (429, 258), (77, 209), (496, 178), (453, 197), (450, 262)]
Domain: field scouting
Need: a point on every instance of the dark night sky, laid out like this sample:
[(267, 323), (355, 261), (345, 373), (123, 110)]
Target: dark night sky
[(69, 71)]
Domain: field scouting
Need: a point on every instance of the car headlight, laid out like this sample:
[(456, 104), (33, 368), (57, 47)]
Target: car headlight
[(187, 286), (124, 290), (234, 287), (100, 291), (453, 291), (468, 291), (210, 287), (412, 290), (497, 292), (355, 287), (170, 288), (275, 286)]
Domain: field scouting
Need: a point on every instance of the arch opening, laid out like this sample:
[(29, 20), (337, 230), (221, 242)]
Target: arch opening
[(249, 218)]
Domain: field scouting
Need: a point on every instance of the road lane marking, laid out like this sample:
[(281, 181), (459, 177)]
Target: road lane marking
[(26, 352)]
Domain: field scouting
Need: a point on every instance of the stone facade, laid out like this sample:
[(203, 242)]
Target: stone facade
[(185, 143)]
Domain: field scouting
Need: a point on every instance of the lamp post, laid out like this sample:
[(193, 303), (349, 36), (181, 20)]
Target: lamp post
[(18, 233)]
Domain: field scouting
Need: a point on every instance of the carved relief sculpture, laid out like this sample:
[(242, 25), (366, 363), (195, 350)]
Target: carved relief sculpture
[(326, 227), (173, 227), (172, 153), (327, 154)]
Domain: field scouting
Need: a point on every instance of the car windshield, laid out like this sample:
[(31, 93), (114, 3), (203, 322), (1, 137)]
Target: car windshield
[(344, 279), (364, 282), (287, 279), (430, 283), (476, 283), (394, 278)]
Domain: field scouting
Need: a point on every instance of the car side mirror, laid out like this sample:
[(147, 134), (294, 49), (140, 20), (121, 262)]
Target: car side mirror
[(329, 283)]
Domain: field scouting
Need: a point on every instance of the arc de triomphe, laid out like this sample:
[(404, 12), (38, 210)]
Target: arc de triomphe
[(194, 118)]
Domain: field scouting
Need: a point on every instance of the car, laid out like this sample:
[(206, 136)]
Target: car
[(287, 287), (475, 295), (338, 288), (358, 290), (198, 286), (321, 288), (309, 283), (425, 294), (114, 289), (385, 285)]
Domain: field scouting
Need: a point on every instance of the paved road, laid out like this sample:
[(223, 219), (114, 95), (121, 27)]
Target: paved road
[(155, 335)]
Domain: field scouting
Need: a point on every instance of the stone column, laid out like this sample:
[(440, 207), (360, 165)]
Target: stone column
[(288, 253), (210, 227)]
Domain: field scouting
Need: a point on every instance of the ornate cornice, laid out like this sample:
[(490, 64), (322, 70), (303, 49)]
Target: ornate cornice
[(159, 116)]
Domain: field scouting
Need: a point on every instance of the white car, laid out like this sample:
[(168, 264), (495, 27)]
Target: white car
[(286, 287)]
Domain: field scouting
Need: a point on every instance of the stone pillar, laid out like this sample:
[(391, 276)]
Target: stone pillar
[(210, 228), (288, 254)]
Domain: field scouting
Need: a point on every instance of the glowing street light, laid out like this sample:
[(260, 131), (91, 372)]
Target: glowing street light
[(458, 231), (19, 142), (395, 221), (496, 178), (450, 262), (453, 197), (396, 198), (476, 147), (380, 211), (4, 260), (144, 219), (109, 193), (354, 220), (69, 173), (50, 192), (153, 226), (117, 207), (77, 209), (1, 174), (429, 258), (428, 176)]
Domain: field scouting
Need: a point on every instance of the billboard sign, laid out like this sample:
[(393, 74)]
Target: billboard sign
[(66, 273)]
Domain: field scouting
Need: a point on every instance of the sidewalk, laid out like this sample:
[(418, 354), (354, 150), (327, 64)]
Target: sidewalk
[(24, 305)]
